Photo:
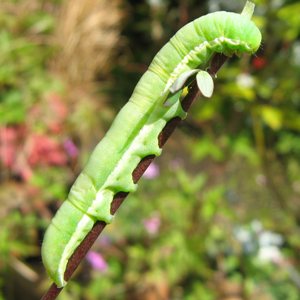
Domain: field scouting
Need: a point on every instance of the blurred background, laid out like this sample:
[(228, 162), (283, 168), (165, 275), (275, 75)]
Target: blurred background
[(217, 216)]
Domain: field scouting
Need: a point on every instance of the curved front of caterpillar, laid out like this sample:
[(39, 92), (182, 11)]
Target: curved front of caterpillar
[(133, 134)]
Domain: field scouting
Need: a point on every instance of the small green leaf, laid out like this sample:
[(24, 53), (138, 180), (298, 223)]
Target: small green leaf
[(272, 116), (181, 80), (205, 83)]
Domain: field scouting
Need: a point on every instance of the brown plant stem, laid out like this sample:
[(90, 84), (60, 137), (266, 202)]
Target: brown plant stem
[(216, 63)]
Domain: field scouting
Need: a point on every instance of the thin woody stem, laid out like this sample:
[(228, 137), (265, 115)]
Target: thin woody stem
[(216, 63)]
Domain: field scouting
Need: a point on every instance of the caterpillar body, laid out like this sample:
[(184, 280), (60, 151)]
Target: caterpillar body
[(134, 132)]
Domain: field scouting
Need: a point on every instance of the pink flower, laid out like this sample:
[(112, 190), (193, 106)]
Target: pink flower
[(7, 155), (152, 224), (12, 154), (44, 149), (104, 241), (8, 145), (97, 261), (152, 171)]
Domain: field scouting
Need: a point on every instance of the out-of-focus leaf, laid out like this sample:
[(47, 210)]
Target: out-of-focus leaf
[(289, 143), (238, 92), (41, 23), (271, 116), (12, 108), (242, 146), (191, 185), (291, 119), (206, 147), (289, 14), (210, 203)]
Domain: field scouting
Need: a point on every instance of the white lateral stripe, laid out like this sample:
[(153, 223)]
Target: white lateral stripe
[(178, 69), (68, 251)]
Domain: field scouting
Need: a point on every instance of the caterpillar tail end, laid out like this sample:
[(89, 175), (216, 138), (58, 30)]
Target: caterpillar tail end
[(51, 259), (68, 229)]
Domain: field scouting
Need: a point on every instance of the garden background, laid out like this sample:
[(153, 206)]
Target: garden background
[(217, 216)]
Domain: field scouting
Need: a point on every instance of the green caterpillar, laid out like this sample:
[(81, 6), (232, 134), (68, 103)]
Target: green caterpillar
[(134, 132)]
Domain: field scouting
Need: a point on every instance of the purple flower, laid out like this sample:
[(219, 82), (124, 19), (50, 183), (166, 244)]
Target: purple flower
[(71, 148), (152, 171), (97, 261), (176, 164), (104, 241), (152, 224)]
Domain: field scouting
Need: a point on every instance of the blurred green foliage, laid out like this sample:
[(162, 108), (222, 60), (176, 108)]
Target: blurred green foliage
[(216, 216)]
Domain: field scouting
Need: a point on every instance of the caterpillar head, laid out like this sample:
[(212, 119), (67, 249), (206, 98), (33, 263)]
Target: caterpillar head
[(242, 34)]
